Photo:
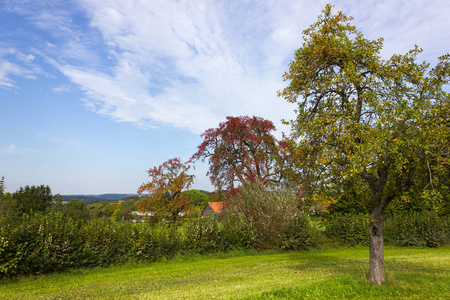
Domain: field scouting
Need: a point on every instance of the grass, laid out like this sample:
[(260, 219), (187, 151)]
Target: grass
[(411, 273)]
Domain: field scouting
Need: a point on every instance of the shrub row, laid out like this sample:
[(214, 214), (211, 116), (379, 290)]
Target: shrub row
[(52, 242), (417, 229), (402, 229)]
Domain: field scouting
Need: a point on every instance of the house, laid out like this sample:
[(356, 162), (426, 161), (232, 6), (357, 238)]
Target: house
[(212, 208), (318, 208)]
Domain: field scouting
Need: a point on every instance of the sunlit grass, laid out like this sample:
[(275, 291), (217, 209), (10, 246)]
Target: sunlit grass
[(328, 274)]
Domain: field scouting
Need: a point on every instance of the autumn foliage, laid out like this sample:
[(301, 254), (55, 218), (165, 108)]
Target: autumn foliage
[(164, 189), (241, 150)]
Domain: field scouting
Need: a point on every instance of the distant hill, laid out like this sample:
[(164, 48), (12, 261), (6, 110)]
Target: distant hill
[(88, 199)]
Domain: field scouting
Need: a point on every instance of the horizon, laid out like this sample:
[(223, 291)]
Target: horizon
[(95, 93)]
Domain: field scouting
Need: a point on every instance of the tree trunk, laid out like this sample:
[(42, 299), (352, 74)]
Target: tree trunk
[(376, 257)]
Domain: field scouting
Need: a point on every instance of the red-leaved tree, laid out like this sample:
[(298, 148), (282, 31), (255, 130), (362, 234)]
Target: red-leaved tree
[(164, 197), (241, 150)]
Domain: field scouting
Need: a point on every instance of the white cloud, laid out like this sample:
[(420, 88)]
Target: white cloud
[(188, 64), (403, 24), (179, 64), (8, 70), (15, 64)]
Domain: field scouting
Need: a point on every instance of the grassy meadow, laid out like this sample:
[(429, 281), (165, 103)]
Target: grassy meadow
[(411, 273)]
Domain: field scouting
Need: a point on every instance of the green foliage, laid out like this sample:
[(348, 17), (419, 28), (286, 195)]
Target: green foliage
[(268, 212), (236, 231), (202, 235), (367, 126), (348, 229), (6, 202), (75, 209), (200, 199), (32, 199), (301, 235), (424, 228), (57, 203), (404, 228), (39, 244), (419, 200)]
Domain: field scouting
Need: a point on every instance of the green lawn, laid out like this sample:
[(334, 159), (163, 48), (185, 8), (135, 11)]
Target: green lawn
[(412, 273)]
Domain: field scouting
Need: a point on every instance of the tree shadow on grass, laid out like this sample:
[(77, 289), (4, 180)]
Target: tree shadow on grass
[(346, 278)]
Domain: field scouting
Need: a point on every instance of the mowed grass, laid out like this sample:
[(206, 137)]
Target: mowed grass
[(412, 273)]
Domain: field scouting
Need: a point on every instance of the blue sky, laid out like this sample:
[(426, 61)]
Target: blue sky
[(93, 93)]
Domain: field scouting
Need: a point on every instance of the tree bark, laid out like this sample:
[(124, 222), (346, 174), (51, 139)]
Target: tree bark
[(376, 244)]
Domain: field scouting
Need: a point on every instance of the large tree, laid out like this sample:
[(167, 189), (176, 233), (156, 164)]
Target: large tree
[(241, 150), (167, 181), (366, 122)]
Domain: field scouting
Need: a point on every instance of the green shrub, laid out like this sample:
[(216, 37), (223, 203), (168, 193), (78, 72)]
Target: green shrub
[(269, 212), (301, 235), (424, 228), (202, 235), (169, 241), (236, 232), (348, 229), (96, 236), (39, 244)]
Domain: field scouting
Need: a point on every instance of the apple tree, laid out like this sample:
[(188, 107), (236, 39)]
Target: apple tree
[(373, 124)]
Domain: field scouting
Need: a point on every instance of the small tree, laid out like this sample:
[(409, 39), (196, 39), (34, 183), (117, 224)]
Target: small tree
[(165, 199), (368, 121), (199, 199), (242, 149), (76, 210), (32, 199)]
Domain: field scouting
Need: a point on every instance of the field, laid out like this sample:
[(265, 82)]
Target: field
[(412, 273)]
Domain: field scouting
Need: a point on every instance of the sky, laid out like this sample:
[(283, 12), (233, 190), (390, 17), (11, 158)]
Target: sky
[(93, 93)]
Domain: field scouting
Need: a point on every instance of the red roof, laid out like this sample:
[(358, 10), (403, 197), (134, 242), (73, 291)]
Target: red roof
[(216, 206)]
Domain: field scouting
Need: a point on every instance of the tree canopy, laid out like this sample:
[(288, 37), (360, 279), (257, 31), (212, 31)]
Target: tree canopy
[(376, 125), (242, 149), (164, 189), (30, 199)]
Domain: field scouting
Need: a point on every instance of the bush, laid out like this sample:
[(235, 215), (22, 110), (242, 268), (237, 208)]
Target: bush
[(38, 244), (151, 244), (268, 212), (236, 232), (424, 228), (301, 235), (202, 235), (348, 229), (407, 228)]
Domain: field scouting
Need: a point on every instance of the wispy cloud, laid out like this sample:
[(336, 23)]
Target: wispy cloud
[(15, 64), (188, 64), (14, 149), (63, 89), (403, 24)]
